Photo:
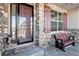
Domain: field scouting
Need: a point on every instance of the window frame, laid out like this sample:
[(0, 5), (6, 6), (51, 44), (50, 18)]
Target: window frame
[(57, 20)]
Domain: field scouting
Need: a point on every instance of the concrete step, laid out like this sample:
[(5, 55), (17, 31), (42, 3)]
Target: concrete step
[(36, 51), (25, 50)]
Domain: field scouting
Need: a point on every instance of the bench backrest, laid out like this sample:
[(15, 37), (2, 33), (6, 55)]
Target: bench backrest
[(62, 36)]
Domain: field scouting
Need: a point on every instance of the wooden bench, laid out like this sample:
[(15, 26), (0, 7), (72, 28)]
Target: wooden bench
[(62, 41)]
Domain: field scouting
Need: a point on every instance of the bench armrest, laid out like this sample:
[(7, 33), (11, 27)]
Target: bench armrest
[(60, 41), (71, 37)]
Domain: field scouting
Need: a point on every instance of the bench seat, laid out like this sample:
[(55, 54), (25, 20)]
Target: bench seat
[(69, 42), (62, 40)]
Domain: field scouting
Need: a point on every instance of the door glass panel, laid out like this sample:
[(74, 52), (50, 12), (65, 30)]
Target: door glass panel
[(13, 21), (22, 27), (25, 24)]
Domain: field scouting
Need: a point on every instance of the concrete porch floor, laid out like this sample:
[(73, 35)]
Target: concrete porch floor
[(51, 51), (70, 51)]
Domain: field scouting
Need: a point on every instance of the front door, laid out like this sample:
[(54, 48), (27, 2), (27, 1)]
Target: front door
[(24, 23)]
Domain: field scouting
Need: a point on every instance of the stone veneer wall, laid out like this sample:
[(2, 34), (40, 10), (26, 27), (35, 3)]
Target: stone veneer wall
[(4, 18), (36, 21), (39, 24), (42, 40)]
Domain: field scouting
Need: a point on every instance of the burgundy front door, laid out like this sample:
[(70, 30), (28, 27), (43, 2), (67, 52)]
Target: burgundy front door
[(25, 20)]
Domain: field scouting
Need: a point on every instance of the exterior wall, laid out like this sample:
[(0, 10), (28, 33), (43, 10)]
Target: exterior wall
[(73, 19), (39, 25), (3, 18), (45, 37)]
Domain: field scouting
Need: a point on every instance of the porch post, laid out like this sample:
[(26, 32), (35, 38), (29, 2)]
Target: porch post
[(36, 23), (44, 24), (41, 24)]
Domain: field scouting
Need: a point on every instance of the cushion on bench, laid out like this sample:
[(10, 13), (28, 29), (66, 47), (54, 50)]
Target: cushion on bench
[(58, 36), (62, 36), (68, 42)]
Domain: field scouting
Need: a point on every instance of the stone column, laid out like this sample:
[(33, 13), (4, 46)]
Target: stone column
[(36, 23), (9, 19), (41, 25)]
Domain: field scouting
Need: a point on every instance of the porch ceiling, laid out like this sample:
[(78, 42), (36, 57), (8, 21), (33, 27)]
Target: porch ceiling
[(67, 6)]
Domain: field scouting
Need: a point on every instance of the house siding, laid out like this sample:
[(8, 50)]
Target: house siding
[(72, 19)]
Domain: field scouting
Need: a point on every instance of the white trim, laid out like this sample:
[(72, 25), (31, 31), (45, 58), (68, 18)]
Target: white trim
[(53, 20)]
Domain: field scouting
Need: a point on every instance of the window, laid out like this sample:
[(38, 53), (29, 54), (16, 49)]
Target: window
[(57, 21)]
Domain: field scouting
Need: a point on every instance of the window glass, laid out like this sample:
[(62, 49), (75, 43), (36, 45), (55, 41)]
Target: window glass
[(61, 16), (54, 15), (53, 26), (61, 25)]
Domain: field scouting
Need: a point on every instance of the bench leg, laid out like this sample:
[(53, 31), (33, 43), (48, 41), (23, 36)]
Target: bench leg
[(56, 44), (62, 48), (73, 43)]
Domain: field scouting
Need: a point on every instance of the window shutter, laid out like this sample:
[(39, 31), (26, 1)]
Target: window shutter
[(65, 21), (47, 19)]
